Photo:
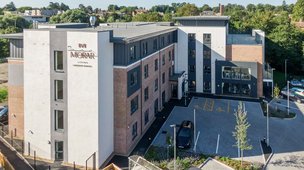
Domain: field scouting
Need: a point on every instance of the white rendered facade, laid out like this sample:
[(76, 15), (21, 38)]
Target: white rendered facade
[(87, 102), (218, 52)]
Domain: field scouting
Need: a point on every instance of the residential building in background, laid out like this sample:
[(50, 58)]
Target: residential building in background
[(91, 93)]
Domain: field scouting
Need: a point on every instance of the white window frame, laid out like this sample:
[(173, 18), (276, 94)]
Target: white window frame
[(56, 121), (57, 151), (56, 61), (56, 91)]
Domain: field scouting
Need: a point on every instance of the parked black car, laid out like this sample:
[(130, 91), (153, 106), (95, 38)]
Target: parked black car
[(185, 135), (4, 115)]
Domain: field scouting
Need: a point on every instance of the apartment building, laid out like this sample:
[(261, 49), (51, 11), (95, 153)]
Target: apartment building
[(89, 93)]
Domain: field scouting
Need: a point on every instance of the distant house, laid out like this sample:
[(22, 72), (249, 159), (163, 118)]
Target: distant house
[(39, 15), (300, 25), (139, 11)]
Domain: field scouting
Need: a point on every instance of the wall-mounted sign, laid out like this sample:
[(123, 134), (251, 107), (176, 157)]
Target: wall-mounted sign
[(82, 53)]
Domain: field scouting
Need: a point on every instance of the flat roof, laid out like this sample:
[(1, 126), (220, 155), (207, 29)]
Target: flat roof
[(203, 18), (128, 33), (245, 39), (122, 32)]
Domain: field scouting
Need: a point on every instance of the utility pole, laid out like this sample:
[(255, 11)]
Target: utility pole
[(267, 124)]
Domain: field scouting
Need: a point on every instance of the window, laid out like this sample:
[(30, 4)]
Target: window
[(162, 41), (59, 120), (155, 44), (146, 116), (145, 48), (133, 78), (207, 38), (207, 86), (164, 59), (146, 71), (58, 90), (134, 104), (164, 78), (191, 37), (156, 85), (132, 52), (134, 130), (206, 52), (169, 38), (146, 93), (58, 61), (236, 89), (192, 53), (173, 54), (192, 68), (156, 64), (236, 73), (169, 55), (58, 150), (207, 69)]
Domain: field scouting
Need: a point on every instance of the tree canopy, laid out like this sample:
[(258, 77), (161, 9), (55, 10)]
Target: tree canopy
[(187, 10), (298, 10), (74, 15), (9, 7)]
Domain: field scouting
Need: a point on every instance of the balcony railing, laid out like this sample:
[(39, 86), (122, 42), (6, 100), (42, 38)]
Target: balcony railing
[(268, 72)]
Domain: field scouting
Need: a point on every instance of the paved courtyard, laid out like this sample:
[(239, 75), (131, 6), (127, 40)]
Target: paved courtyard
[(215, 117)]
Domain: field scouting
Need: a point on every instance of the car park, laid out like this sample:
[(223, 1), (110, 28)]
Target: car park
[(185, 135)]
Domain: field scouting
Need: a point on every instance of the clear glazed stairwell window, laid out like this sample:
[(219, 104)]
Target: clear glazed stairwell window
[(58, 150), (59, 120), (58, 62), (58, 90)]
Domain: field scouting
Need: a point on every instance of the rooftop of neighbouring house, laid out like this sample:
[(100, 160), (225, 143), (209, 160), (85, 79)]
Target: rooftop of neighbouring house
[(245, 39)]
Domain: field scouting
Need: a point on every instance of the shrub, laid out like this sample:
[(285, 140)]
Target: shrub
[(3, 94)]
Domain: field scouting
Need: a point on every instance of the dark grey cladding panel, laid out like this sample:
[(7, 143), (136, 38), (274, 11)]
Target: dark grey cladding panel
[(134, 88), (15, 74), (122, 50), (119, 54), (16, 48), (253, 81), (210, 23)]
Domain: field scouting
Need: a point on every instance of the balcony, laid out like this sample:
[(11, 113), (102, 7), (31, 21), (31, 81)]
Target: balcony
[(267, 73)]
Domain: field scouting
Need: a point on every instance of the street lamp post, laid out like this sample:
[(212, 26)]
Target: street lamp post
[(288, 98), (286, 69), (267, 123), (272, 82), (174, 143), (194, 119)]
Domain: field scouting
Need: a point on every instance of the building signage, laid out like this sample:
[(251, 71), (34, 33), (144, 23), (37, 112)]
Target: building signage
[(82, 53)]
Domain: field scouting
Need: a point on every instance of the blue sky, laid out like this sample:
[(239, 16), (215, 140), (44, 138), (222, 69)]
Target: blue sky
[(144, 3)]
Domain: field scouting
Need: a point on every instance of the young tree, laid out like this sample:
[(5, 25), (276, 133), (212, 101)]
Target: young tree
[(276, 91), (240, 133)]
